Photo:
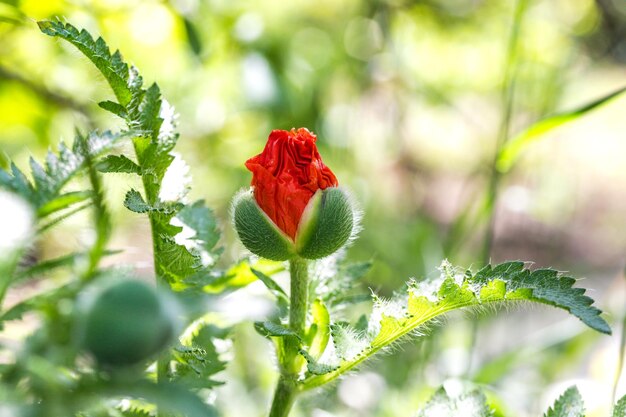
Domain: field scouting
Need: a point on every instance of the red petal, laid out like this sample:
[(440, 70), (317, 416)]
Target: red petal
[(287, 174)]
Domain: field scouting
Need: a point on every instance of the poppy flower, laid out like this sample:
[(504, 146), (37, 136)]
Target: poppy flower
[(286, 175), (294, 207)]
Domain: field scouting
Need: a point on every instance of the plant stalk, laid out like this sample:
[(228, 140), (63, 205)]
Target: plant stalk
[(152, 196), (291, 366), (508, 94)]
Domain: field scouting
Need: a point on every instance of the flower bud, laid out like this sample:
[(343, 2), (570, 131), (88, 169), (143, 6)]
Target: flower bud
[(295, 207), (124, 322)]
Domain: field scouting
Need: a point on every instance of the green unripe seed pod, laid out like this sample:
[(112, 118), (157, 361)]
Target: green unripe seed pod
[(124, 322), (257, 231), (326, 225)]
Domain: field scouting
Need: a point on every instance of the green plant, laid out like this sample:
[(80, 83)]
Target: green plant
[(59, 373)]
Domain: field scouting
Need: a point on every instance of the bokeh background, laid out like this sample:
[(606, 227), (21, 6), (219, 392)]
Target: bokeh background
[(407, 99)]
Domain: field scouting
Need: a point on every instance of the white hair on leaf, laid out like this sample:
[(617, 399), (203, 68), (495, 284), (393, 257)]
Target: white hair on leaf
[(16, 222), (167, 131), (176, 181)]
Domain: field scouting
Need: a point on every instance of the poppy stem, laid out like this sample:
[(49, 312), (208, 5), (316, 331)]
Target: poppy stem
[(299, 269), (292, 364)]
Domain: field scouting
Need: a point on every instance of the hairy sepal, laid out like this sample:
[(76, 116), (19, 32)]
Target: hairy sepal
[(258, 233), (326, 225)]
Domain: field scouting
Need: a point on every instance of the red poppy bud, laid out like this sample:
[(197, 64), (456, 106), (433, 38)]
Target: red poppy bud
[(295, 207), (286, 175)]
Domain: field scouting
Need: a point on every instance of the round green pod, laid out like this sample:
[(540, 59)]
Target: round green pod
[(326, 225), (124, 322), (257, 231)]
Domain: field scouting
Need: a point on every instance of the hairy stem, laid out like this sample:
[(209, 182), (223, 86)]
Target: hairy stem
[(292, 362), (151, 190), (284, 397)]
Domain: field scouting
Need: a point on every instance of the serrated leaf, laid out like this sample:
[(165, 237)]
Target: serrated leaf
[(570, 404), (317, 368), (112, 67), (470, 404), (620, 408), (201, 224), (133, 201), (135, 412), (333, 280), (197, 360), (171, 398), (393, 319), (182, 260), (113, 107), (45, 192), (119, 164)]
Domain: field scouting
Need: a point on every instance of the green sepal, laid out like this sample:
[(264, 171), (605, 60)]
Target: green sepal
[(257, 231), (326, 225)]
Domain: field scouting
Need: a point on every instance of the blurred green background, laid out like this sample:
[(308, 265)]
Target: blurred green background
[(406, 98)]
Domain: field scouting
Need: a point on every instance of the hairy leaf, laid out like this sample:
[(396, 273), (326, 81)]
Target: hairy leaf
[(424, 301), (333, 281), (271, 329), (470, 404), (197, 360), (44, 192), (133, 201), (118, 163), (620, 408), (570, 404), (184, 236), (114, 69)]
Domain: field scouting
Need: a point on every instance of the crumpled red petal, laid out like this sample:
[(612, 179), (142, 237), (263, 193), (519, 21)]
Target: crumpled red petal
[(286, 175)]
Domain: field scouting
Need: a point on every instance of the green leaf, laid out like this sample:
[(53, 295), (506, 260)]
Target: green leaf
[(44, 193), (546, 286), (318, 334), (52, 264), (184, 237), (511, 151), (271, 329), (620, 408), (470, 404), (62, 202), (424, 301), (39, 302), (570, 404), (201, 226), (135, 202), (197, 360), (241, 275), (171, 398), (118, 163), (113, 107), (335, 281), (271, 285), (110, 65), (134, 411)]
